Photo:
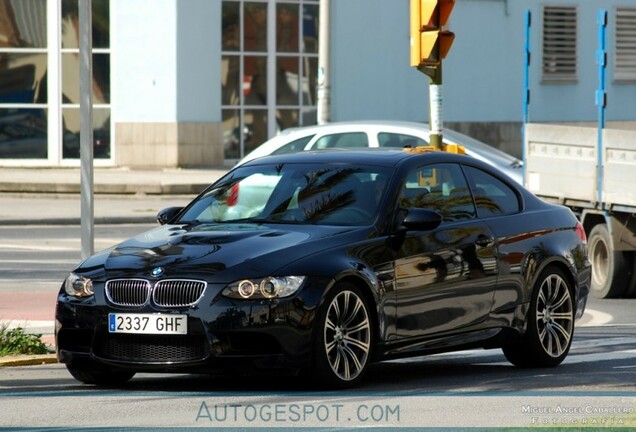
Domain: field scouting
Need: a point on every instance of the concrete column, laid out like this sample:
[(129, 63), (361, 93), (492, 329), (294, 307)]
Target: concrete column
[(166, 83)]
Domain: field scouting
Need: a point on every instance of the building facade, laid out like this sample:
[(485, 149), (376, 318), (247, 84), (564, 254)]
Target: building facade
[(181, 83)]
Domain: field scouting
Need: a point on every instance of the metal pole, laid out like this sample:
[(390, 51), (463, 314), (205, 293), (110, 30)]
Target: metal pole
[(526, 89), (436, 107), (86, 127), (323, 98), (601, 100)]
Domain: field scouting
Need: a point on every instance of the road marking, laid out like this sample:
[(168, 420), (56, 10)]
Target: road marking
[(592, 318), (104, 243), (27, 261), (34, 247), (598, 357)]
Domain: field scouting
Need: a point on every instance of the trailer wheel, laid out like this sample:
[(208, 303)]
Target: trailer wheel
[(610, 270)]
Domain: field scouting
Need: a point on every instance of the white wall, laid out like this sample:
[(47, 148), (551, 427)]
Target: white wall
[(143, 74), (166, 60), (483, 73)]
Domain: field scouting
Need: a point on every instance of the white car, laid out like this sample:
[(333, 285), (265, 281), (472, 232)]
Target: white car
[(380, 134)]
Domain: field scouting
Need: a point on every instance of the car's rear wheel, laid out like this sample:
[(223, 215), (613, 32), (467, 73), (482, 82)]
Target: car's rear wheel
[(548, 337), (100, 376), (344, 338)]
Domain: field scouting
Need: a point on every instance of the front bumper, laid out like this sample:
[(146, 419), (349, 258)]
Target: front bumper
[(222, 333)]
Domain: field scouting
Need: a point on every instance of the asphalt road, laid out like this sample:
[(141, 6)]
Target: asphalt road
[(596, 383)]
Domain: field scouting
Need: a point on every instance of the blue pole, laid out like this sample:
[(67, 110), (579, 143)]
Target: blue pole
[(526, 88), (601, 100)]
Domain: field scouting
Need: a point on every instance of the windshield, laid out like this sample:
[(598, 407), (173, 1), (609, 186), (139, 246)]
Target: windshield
[(335, 194)]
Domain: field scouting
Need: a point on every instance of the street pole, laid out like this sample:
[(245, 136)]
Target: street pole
[(86, 127), (436, 113), (323, 98), (601, 100)]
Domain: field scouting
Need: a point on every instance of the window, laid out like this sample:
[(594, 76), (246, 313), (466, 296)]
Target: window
[(70, 79), (342, 140), (269, 68), (23, 80), (442, 188), (389, 139), (559, 44), (625, 50), (492, 196), (294, 146), (29, 80)]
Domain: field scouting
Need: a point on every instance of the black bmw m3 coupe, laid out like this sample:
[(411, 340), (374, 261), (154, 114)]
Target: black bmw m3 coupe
[(326, 262)]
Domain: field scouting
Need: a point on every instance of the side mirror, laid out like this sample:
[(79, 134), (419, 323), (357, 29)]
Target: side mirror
[(421, 219), (167, 214)]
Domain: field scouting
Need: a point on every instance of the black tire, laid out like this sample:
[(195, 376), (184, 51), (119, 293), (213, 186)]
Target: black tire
[(548, 337), (100, 376), (611, 271), (343, 338)]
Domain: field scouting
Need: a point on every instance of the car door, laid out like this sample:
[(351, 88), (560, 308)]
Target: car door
[(445, 278)]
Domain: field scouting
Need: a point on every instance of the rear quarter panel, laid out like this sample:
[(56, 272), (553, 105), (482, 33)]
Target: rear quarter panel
[(528, 243)]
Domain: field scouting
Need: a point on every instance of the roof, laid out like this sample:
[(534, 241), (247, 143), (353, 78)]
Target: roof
[(385, 156)]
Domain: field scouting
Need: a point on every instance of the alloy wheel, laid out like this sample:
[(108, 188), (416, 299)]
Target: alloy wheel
[(555, 315), (347, 335)]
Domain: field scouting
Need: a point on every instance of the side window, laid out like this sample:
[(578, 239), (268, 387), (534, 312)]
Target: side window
[(352, 139), (492, 196), (389, 139), (294, 146), (440, 187)]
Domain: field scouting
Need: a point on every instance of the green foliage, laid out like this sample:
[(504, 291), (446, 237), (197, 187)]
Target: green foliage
[(16, 342)]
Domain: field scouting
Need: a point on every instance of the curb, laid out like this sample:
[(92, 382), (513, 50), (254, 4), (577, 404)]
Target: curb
[(27, 360)]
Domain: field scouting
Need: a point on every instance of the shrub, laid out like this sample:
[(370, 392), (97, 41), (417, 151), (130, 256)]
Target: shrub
[(16, 341)]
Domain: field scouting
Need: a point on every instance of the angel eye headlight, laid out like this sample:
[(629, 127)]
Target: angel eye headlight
[(246, 288), (270, 287), (266, 288), (78, 286)]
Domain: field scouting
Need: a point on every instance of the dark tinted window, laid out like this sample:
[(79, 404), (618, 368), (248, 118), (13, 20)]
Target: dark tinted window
[(294, 146), (492, 196), (342, 140), (442, 188), (389, 139)]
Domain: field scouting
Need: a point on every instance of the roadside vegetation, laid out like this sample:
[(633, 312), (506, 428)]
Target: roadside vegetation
[(16, 342)]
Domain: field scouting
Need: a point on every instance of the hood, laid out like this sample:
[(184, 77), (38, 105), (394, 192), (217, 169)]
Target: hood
[(225, 251)]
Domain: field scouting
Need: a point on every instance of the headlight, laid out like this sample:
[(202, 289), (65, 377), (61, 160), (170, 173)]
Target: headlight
[(78, 286), (267, 288)]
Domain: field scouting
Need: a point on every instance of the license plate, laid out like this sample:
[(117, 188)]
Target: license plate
[(147, 323)]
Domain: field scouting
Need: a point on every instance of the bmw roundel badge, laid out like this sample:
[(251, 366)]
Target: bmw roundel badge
[(157, 271)]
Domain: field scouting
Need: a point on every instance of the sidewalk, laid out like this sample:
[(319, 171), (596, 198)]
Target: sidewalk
[(121, 195)]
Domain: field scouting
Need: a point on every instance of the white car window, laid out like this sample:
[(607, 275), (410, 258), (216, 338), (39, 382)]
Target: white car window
[(340, 140), (294, 146)]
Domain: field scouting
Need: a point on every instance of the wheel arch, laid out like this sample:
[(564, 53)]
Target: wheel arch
[(372, 297), (563, 265)]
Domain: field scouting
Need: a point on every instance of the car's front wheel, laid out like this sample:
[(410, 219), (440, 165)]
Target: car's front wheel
[(344, 338), (100, 376), (548, 337)]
